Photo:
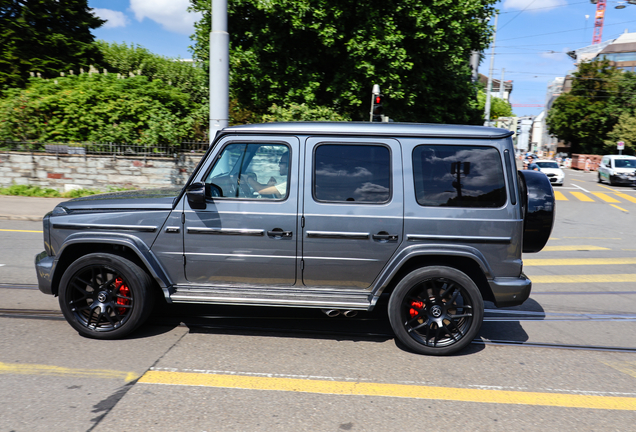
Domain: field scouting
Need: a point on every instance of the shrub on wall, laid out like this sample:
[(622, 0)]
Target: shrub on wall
[(99, 108)]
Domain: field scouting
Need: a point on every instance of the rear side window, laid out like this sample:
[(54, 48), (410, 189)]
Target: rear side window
[(458, 176), (352, 173)]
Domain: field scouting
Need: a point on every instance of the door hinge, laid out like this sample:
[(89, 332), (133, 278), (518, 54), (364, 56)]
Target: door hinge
[(302, 264), (302, 221), (182, 218), (184, 260)]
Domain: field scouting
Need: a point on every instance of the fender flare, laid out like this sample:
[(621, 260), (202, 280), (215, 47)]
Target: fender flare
[(430, 250), (143, 252)]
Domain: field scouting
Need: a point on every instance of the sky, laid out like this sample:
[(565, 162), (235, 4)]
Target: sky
[(532, 38)]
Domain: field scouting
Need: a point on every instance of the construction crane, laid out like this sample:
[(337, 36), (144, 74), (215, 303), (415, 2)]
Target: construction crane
[(598, 21)]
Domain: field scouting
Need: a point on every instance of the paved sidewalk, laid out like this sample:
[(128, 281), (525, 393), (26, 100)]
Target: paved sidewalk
[(26, 208)]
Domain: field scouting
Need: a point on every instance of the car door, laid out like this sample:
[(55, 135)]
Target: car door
[(352, 210), (248, 234)]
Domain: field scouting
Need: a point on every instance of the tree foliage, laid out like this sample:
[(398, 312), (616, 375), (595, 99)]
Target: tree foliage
[(44, 37), (98, 108), (137, 60), (597, 110), (329, 53), (498, 107)]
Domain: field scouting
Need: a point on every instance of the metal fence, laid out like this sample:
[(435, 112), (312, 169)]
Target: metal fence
[(106, 149)]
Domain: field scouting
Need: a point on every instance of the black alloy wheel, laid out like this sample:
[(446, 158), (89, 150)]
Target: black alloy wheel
[(436, 310), (105, 296)]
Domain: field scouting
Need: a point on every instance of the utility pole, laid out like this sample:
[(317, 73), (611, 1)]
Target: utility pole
[(501, 84), (219, 68), (492, 66)]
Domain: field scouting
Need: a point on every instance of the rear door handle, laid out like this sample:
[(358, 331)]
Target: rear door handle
[(279, 233)]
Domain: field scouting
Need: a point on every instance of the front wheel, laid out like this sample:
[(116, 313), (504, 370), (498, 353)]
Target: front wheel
[(436, 310), (105, 296)]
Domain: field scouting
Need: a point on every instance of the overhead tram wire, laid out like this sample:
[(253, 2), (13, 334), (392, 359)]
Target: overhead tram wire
[(564, 31), (519, 13)]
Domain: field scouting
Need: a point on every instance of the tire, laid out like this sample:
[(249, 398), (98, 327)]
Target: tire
[(105, 296), (600, 180), (436, 310)]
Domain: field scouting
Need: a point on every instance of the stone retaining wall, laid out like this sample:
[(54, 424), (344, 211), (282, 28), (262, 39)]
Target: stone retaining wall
[(64, 172)]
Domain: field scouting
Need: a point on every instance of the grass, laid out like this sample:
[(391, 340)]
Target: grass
[(37, 191)]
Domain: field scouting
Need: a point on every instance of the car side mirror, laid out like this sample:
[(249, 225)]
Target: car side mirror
[(196, 195), (212, 191)]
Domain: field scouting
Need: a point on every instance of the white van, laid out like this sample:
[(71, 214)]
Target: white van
[(617, 169)]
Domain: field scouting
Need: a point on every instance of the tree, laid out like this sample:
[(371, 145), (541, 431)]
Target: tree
[(498, 107), (99, 108), (329, 53), (585, 115), (44, 37), (624, 130)]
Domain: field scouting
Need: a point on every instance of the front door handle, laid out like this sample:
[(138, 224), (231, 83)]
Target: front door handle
[(279, 233), (385, 236)]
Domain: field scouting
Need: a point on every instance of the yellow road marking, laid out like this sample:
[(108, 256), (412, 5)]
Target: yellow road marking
[(626, 197), (35, 369), (389, 390), (10, 230), (582, 197), (583, 278), (608, 188), (559, 196), (573, 248), (605, 197), (578, 261), (628, 368), (620, 208)]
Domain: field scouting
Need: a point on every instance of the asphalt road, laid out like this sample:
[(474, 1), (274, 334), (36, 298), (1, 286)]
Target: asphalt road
[(565, 359)]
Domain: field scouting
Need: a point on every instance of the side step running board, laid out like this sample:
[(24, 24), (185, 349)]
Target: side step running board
[(288, 297)]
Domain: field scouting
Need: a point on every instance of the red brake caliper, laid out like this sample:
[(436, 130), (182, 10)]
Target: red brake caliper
[(416, 307), (123, 290)]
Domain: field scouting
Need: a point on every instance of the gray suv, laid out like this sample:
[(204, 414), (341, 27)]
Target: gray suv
[(313, 215)]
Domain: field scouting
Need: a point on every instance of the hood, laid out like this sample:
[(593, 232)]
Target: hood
[(137, 200)]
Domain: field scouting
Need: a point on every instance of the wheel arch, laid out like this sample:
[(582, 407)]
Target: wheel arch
[(124, 246), (466, 262)]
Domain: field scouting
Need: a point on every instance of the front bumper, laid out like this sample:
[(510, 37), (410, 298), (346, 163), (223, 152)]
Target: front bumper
[(44, 265), (510, 291), (623, 179)]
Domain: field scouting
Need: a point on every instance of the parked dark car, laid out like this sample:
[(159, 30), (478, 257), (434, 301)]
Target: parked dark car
[(313, 215)]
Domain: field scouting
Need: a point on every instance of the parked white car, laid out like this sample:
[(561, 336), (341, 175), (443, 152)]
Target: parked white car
[(552, 170), (617, 169)]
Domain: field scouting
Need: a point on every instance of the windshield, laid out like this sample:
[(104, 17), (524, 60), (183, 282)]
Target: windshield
[(625, 163), (548, 164)]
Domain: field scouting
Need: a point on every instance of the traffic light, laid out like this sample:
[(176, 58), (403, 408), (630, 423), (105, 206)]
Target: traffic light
[(377, 109)]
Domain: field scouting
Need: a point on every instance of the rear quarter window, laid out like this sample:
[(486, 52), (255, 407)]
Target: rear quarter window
[(458, 176)]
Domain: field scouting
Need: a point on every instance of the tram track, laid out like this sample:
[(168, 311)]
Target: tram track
[(211, 323)]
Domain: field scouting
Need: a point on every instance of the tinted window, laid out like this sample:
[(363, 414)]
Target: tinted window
[(458, 176), (548, 164), (352, 173), (625, 163)]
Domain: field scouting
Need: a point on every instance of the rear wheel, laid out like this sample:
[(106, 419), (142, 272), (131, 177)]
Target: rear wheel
[(436, 310), (105, 296)]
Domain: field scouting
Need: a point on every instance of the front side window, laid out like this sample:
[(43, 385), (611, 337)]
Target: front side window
[(458, 176), (352, 173), (258, 171)]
